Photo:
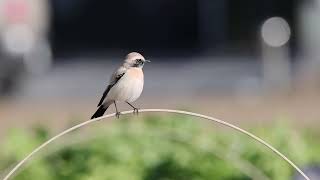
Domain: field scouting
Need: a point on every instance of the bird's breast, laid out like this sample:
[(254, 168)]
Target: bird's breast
[(135, 73), (129, 87)]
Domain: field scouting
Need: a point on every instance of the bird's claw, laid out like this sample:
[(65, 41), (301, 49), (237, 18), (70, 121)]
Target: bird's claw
[(118, 115), (135, 111)]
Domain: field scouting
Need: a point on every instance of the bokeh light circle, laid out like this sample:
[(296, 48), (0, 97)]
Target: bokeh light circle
[(275, 32)]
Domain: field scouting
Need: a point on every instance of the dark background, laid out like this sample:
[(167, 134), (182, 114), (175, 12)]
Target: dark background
[(163, 26)]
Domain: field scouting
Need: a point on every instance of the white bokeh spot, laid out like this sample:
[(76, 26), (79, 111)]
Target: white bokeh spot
[(275, 32)]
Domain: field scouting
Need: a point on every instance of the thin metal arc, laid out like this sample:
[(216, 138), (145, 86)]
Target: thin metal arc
[(158, 110)]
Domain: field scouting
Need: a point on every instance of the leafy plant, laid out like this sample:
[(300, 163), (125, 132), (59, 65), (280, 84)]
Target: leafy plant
[(159, 148)]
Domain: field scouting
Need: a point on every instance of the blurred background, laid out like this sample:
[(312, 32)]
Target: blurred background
[(252, 63)]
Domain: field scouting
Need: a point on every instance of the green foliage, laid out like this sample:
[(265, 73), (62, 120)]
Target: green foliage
[(159, 148)]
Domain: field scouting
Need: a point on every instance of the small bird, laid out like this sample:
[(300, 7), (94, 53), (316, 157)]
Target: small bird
[(126, 85)]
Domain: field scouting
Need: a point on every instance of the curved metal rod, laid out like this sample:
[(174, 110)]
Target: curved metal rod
[(158, 110)]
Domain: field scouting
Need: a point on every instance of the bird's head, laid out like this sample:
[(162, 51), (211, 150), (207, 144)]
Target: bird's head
[(135, 59)]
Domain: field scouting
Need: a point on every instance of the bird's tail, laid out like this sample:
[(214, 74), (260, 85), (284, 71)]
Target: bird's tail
[(101, 110)]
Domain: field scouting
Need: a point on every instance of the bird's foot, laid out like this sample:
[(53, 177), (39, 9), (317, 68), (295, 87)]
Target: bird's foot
[(118, 114), (135, 111)]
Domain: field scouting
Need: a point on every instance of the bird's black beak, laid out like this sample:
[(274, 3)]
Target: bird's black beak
[(147, 61)]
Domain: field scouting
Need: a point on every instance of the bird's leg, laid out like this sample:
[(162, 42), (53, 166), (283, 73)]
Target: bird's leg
[(135, 110), (117, 112)]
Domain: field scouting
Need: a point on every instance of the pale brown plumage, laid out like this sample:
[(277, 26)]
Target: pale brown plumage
[(126, 84)]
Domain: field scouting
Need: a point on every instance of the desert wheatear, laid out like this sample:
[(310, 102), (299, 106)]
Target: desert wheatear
[(126, 84)]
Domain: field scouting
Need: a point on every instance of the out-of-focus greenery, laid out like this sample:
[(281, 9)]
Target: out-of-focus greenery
[(159, 148)]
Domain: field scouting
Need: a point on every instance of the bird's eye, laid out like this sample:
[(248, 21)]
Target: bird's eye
[(139, 61)]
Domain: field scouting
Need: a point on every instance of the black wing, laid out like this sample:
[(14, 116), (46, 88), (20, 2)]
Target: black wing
[(105, 93)]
